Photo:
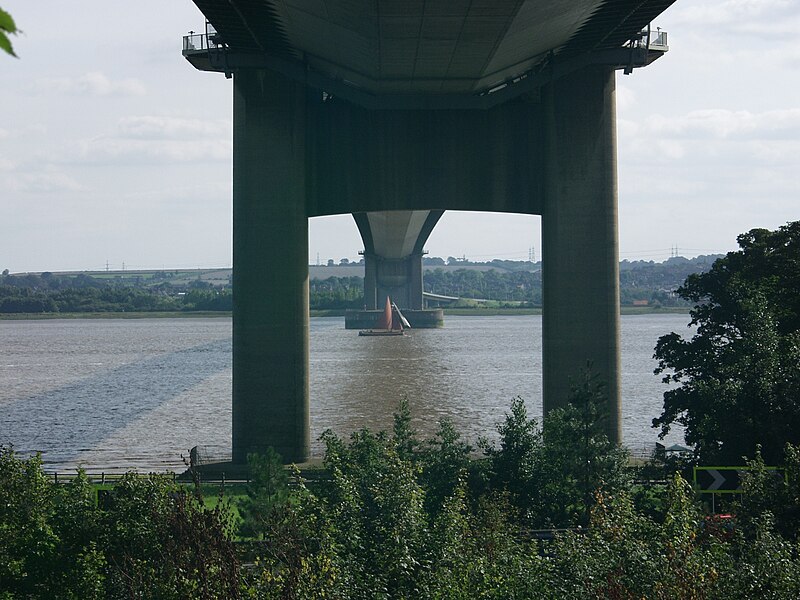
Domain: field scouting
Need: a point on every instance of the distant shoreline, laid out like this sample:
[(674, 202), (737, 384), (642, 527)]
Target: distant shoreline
[(462, 312), (114, 315)]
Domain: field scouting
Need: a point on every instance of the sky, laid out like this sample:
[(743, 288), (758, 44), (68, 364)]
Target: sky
[(115, 151)]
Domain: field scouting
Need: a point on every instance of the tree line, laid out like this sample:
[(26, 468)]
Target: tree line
[(50, 293), (336, 293), (654, 283)]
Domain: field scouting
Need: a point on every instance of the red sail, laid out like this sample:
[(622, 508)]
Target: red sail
[(385, 322)]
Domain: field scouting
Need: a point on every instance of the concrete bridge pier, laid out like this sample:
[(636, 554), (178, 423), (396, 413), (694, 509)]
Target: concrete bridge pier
[(579, 237), (270, 275), (398, 278), (393, 249), (370, 282)]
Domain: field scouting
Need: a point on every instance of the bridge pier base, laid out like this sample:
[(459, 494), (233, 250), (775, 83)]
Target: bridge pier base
[(270, 274), (579, 238)]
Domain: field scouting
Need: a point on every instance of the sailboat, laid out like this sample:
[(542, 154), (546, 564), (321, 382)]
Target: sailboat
[(391, 322)]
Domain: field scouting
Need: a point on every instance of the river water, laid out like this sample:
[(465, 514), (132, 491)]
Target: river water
[(138, 393)]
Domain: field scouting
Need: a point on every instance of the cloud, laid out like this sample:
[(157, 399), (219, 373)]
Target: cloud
[(93, 83), (46, 182), (24, 132), (768, 18), (721, 124), (153, 140), (626, 97), (715, 161), (115, 150), (184, 192), (154, 127), (721, 146), (785, 57), (737, 36)]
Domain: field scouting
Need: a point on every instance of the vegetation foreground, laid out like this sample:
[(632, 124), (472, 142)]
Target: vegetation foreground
[(397, 517)]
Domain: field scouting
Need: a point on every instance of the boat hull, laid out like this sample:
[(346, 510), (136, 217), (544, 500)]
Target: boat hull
[(381, 332)]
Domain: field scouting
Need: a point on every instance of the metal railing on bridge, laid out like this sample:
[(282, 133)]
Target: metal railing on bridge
[(650, 40), (210, 40)]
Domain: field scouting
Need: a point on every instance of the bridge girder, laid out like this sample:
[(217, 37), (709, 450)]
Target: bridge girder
[(390, 47)]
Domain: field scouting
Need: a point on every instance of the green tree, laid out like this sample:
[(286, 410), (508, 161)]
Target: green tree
[(28, 541), (267, 492), (376, 501), (770, 495), (552, 476), (7, 27), (148, 539), (299, 557), (577, 456), (161, 542), (445, 465), (81, 567), (515, 464), (739, 375), (405, 435)]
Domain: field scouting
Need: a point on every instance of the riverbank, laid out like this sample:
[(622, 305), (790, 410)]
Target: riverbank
[(462, 312), (494, 312)]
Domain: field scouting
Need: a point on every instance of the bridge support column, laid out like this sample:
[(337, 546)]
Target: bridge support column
[(415, 287), (370, 282), (270, 267), (579, 235)]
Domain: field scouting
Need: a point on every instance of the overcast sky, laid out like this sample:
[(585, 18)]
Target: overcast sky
[(114, 149)]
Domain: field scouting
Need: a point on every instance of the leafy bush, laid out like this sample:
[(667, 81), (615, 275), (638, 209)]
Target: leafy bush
[(552, 475), (148, 539), (267, 492)]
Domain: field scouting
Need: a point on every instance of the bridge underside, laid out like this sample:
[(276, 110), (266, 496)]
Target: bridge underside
[(369, 106)]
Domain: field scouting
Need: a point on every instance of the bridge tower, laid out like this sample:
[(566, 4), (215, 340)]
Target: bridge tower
[(384, 107)]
